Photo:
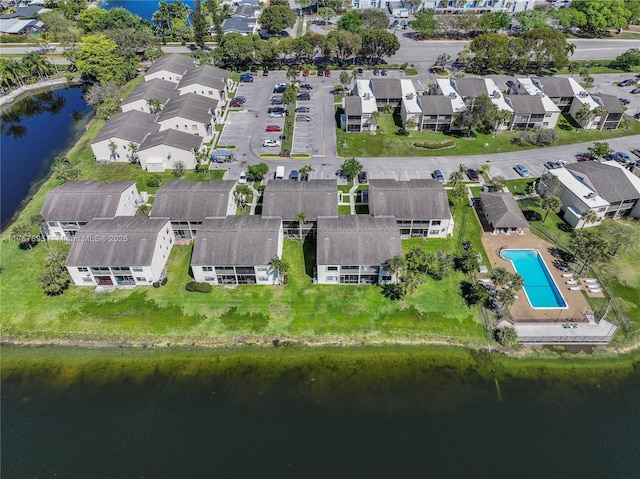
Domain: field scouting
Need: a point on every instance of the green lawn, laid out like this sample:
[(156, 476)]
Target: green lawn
[(387, 143), (299, 309), (520, 186)]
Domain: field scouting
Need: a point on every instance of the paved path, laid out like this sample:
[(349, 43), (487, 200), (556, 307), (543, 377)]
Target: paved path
[(13, 94)]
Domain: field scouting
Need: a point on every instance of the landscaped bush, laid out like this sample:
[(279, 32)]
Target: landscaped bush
[(153, 182), (411, 72), (196, 287), (541, 137), (434, 145)]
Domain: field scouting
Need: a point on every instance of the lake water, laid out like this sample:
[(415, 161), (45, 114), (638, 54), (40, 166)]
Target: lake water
[(34, 130), (376, 415), (143, 8)]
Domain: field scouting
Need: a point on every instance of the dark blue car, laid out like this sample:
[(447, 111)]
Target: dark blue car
[(437, 175)]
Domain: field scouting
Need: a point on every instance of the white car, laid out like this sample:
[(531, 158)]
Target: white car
[(271, 143), (243, 178), (276, 114)]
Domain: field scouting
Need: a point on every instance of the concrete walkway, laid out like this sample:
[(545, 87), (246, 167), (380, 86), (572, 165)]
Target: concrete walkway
[(13, 94)]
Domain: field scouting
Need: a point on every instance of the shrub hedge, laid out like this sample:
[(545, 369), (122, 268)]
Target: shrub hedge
[(196, 287), (434, 145)]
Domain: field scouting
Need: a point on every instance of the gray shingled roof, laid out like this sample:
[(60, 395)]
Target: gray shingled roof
[(177, 139), (236, 241), (470, 87), (138, 236), (609, 181), (153, 89), (132, 125), (84, 200), (192, 200), (206, 75), (526, 104), (611, 103), (556, 87), (502, 211), (247, 10), (285, 199), (239, 24), (435, 105), (191, 106), (353, 105), (384, 88), (174, 63), (357, 240), (414, 199)]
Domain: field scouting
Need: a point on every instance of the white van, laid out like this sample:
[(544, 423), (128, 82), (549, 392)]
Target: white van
[(279, 173)]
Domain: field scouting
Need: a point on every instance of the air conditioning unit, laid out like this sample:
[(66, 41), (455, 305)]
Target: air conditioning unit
[(409, 96), (452, 95), (583, 94)]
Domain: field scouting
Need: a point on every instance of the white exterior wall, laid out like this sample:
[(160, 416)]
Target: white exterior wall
[(186, 125), (328, 277), (204, 91), (164, 75), (102, 152), (140, 105), (162, 157), (573, 207), (508, 6), (162, 248), (55, 231), (127, 205)]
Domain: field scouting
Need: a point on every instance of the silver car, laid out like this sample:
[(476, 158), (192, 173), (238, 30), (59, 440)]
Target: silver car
[(303, 118)]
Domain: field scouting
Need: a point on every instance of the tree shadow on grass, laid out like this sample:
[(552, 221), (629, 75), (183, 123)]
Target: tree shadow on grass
[(309, 250), (253, 322)]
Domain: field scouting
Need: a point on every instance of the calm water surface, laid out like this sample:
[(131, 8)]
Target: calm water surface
[(143, 8), (33, 131), (244, 422)]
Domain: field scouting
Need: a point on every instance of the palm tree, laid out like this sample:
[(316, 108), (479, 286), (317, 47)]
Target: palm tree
[(588, 216), (505, 297), (583, 115), (113, 147), (516, 282), (280, 266), (305, 170), (301, 218), (36, 65), (600, 112), (133, 148), (500, 276), (154, 105), (497, 183), (396, 266), (550, 203)]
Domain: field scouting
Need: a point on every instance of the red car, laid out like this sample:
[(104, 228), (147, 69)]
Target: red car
[(327, 73), (583, 157), (305, 73), (235, 104), (273, 128)]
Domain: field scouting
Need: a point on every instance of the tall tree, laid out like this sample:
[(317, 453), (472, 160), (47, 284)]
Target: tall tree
[(276, 18), (374, 19), (301, 218), (351, 168), (588, 217), (200, 27), (281, 267), (352, 22), (599, 150), (97, 59), (425, 23), (588, 247), (347, 44), (377, 44), (618, 234), (550, 203)]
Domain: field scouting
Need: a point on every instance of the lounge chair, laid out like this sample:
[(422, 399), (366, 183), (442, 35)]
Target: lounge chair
[(595, 290), (570, 275), (573, 282), (485, 280), (575, 288), (590, 281)]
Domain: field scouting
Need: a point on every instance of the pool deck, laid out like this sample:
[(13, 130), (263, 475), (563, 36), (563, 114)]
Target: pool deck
[(521, 311)]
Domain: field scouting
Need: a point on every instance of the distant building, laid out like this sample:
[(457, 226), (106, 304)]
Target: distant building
[(155, 89), (190, 113), (170, 67), (113, 142), (15, 26), (503, 213), (120, 252), (354, 249), (237, 250), (206, 81), (73, 204), (161, 151)]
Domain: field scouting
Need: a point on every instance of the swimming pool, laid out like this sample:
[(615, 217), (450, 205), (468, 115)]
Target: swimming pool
[(539, 286)]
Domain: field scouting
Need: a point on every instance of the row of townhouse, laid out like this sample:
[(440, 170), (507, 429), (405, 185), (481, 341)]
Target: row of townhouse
[(448, 6), (231, 249), (168, 118), (607, 188), (529, 103)]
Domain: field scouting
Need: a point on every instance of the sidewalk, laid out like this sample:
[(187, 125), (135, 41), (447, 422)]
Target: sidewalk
[(13, 94)]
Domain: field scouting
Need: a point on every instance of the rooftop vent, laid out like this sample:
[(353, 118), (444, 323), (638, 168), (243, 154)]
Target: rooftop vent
[(590, 195), (583, 94), (409, 96), (539, 93), (452, 95), (495, 94)]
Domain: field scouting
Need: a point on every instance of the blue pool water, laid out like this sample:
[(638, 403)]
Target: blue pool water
[(539, 286)]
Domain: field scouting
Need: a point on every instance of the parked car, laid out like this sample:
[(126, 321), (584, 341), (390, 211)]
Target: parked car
[(635, 91), (239, 99), (265, 72), (294, 175), (303, 109), (376, 71), (270, 143), (360, 71), (320, 72), (624, 101), (235, 104), (246, 78), (243, 178), (621, 157), (637, 116), (327, 73), (394, 24), (305, 73), (383, 72), (277, 101), (303, 96), (303, 118), (473, 174), (521, 170), (277, 114), (583, 157), (636, 152), (276, 109), (552, 165), (273, 128), (306, 86), (438, 176), (627, 82), (362, 177)]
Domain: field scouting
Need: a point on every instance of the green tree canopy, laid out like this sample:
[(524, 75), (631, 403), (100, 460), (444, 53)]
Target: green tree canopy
[(351, 22), (97, 59), (374, 19), (377, 44), (351, 168), (276, 18), (257, 172), (425, 23)]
